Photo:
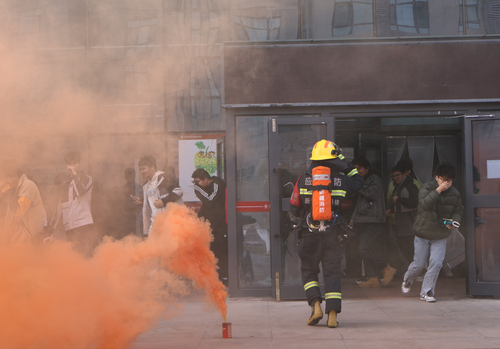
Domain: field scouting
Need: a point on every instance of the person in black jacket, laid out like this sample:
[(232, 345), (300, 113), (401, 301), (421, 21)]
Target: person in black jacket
[(403, 203), (212, 193), (318, 244), (368, 219)]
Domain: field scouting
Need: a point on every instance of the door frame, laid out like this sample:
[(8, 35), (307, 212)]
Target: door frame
[(278, 204), (221, 158), (348, 111), (231, 114), (472, 201)]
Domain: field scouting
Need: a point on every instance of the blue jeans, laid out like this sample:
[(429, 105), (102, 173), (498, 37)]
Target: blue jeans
[(432, 250)]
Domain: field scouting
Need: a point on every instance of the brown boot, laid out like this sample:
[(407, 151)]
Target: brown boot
[(371, 283), (332, 319), (316, 313), (388, 273)]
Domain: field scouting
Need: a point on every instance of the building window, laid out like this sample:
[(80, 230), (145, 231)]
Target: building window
[(352, 16), (256, 28), (141, 35), (471, 15), (198, 104), (214, 23), (410, 16), (136, 78), (198, 23), (28, 21)]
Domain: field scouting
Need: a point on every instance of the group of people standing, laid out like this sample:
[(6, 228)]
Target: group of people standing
[(421, 218), (160, 189), (22, 212), (23, 217)]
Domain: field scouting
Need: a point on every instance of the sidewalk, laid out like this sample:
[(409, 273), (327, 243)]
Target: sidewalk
[(370, 318)]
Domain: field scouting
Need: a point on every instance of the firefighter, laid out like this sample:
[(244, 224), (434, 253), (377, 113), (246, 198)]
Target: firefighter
[(319, 241)]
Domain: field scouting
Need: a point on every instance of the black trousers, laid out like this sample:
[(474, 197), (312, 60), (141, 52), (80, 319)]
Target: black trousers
[(368, 235), (219, 248), (321, 248)]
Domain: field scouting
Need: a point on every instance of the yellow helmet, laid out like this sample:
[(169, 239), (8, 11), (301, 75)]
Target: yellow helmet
[(324, 150)]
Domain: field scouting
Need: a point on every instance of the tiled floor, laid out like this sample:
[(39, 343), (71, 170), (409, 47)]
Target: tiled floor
[(371, 318)]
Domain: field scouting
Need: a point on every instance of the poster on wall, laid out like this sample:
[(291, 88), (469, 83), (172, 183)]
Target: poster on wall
[(196, 151)]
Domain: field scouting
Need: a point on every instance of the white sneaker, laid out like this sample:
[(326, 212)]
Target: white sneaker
[(361, 281), (428, 299), (405, 287)]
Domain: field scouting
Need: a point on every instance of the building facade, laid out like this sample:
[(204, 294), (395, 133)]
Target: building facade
[(388, 79)]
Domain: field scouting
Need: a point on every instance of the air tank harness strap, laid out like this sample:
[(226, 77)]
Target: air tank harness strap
[(321, 187)]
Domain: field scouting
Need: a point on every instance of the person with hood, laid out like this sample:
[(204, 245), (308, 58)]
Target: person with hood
[(316, 204), (368, 219), (157, 192), (439, 210)]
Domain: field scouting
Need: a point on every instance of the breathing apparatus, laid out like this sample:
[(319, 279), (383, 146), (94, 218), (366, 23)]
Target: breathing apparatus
[(322, 215)]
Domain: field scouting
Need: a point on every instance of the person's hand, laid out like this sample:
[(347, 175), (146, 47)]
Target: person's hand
[(137, 200), (72, 169), (449, 226), (159, 204), (443, 187), (388, 212), (351, 224), (394, 199)]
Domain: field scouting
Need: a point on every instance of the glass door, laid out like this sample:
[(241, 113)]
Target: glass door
[(482, 204), (290, 144), (374, 148), (221, 157)]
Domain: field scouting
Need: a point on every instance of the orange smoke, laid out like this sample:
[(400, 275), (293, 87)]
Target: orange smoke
[(191, 257), (51, 297)]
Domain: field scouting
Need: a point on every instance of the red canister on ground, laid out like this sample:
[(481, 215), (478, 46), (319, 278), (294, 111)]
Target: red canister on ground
[(226, 330)]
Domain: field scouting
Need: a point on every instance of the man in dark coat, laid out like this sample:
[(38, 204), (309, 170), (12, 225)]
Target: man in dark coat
[(368, 219), (403, 204)]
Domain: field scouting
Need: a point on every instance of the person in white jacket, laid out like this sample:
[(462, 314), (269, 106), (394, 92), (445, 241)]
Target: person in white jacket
[(158, 191), (75, 204)]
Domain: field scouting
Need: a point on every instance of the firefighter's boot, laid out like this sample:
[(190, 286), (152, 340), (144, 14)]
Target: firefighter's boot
[(370, 283), (332, 319), (316, 314)]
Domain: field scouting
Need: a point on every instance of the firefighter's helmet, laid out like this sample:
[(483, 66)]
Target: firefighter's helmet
[(324, 150)]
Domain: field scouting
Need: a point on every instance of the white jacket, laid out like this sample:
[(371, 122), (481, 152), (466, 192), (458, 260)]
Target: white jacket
[(75, 206), (157, 189)]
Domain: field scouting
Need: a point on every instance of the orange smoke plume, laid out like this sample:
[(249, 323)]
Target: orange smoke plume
[(52, 297), (191, 257)]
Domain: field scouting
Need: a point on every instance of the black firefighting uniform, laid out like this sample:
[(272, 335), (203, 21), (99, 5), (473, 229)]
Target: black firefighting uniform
[(315, 246)]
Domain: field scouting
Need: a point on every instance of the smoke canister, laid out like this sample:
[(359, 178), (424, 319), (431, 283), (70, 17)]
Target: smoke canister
[(226, 330)]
